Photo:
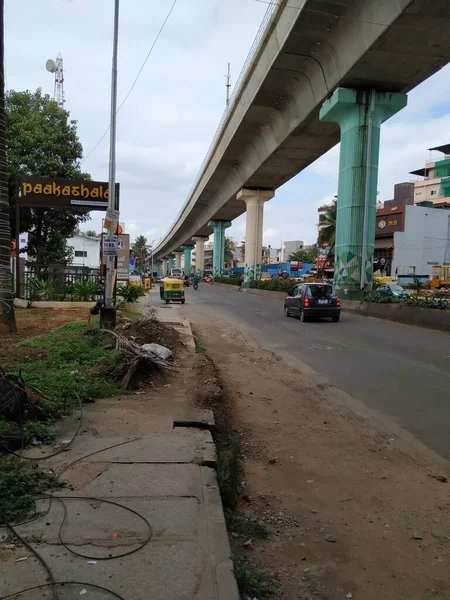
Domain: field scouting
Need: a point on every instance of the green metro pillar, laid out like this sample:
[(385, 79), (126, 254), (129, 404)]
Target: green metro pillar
[(170, 263), (219, 245), (359, 115), (159, 266), (187, 249)]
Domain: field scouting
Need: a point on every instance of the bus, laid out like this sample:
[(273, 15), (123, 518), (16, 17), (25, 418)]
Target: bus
[(176, 273)]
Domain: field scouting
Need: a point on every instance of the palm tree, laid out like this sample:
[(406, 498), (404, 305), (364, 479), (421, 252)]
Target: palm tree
[(242, 248), (141, 253), (7, 316), (327, 225), (229, 251)]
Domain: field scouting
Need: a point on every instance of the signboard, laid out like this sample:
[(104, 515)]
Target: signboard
[(294, 266), (110, 245), (75, 194), (389, 223), (132, 265), (123, 257)]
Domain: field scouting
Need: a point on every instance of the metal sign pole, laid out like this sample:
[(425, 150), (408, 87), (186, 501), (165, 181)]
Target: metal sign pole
[(108, 316)]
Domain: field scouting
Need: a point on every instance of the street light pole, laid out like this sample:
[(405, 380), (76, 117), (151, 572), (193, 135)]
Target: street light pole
[(108, 313)]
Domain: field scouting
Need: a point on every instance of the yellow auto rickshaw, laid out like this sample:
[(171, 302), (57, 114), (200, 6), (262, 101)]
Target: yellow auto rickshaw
[(172, 290)]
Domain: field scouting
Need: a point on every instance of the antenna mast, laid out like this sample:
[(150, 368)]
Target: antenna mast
[(59, 82), (228, 85)]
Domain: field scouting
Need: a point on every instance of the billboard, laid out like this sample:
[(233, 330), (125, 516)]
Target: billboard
[(75, 194)]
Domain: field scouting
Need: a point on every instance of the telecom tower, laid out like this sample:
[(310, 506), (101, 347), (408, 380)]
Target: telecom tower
[(57, 67)]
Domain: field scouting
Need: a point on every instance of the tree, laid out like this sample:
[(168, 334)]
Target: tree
[(306, 255), (7, 316), (141, 253), (242, 248), (229, 251), (88, 233), (42, 141), (327, 225)]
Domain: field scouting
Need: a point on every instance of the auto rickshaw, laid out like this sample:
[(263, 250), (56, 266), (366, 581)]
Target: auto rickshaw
[(172, 290)]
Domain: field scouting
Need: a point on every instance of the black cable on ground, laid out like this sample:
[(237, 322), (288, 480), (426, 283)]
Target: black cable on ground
[(64, 584)]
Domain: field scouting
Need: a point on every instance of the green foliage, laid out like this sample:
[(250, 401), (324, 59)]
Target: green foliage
[(85, 290), (327, 225), (42, 141), (38, 290), (251, 580), (19, 486), (243, 526), (433, 303), (242, 249), (34, 432), (130, 293), (141, 253), (229, 471), (74, 361), (229, 251), (230, 280), (274, 285), (306, 255)]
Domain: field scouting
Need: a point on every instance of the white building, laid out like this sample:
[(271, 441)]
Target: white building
[(86, 251), (424, 242)]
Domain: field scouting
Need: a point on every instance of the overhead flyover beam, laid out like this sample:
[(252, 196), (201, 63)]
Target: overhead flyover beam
[(271, 130)]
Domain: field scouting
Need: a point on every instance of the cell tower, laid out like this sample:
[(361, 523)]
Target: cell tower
[(57, 67)]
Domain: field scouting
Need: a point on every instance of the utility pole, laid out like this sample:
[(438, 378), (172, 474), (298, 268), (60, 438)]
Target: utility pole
[(228, 85), (108, 312)]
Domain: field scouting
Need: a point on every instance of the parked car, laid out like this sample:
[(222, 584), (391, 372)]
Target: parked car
[(308, 300), (392, 289)]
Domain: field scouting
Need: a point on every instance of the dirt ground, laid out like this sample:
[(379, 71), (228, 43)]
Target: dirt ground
[(354, 508)]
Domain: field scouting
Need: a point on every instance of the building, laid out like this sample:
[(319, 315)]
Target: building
[(86, 251), (433, 184), (291, 247), (410, 239)]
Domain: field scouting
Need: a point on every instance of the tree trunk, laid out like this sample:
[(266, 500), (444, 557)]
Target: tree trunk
[(7, 316)]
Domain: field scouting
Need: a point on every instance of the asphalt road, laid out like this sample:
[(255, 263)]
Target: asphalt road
[(400, 370)]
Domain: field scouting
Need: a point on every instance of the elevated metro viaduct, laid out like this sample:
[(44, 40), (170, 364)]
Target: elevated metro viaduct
[(321, 71)]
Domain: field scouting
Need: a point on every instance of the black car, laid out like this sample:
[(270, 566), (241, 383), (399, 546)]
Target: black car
[(313, 300)]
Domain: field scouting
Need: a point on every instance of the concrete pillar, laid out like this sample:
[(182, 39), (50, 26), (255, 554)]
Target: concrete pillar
[(170, 262), (187, 257), (254, 199), (178, 260), (359, 115), (164, 267), (159, 268), (219, 245), (199, 253)]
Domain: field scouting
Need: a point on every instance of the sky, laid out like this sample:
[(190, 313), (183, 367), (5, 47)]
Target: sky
[(168, 121)]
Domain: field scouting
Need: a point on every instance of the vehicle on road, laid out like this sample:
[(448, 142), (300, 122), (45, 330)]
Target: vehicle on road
[(172, 290), (176, 273), (186, 281), (394, 290), (440, 277), (308, 300)]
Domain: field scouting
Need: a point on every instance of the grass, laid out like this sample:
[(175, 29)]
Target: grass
[(19, 486), (252, 581), (72, 360), (249, 529), (229, 471), (34, 432)]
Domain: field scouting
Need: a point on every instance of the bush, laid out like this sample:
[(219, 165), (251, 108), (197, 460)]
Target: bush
[(130, 293), (274, 285), (38, 290), (414, 301), (234, 280), (86, 290)]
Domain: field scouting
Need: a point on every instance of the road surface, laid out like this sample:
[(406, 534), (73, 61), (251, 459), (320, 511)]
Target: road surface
[(400, 370)]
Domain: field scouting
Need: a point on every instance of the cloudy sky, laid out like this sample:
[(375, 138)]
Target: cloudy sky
[(168, 121)]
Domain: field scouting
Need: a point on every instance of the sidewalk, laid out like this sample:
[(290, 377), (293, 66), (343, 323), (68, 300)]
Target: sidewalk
[(161, 468)]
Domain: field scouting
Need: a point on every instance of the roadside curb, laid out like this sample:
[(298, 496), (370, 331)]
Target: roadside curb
[(421, 317)]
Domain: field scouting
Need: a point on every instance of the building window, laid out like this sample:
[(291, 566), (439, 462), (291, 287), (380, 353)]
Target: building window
[(433, 192), (80, 253)]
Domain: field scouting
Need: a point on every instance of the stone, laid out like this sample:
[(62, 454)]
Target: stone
[(331, 538), (272, 461), (248, 544), (417, 536)]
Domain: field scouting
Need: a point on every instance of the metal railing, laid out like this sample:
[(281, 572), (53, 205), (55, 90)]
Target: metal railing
[(273, 5)]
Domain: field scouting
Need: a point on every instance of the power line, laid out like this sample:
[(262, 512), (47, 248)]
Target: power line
[(137, 76)]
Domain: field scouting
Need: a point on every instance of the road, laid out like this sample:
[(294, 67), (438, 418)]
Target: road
[(400, 370)]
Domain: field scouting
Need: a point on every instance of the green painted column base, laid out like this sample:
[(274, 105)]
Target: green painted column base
[(245, 284)]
